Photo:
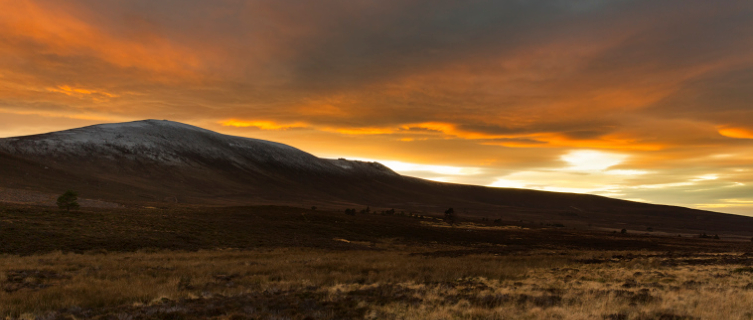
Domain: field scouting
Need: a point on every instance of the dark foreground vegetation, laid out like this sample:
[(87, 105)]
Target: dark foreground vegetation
[(26, 230), (292, 263)]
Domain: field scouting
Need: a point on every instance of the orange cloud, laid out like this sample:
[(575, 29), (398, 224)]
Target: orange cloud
[(538, 140), (606, 142), (79, 92), (361, 131), (443, 130), (262, 124), (51, 29), (737, 133), (553, 139), (72, 115), (432, 127)]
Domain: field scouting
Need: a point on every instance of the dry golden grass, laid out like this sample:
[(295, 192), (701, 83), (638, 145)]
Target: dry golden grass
[(59, 280), (378, 284)]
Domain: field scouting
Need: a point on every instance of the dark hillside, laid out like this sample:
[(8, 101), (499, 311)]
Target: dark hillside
[(160, 162)]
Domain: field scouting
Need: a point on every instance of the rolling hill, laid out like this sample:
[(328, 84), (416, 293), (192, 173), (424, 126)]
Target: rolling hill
[(161, 163)]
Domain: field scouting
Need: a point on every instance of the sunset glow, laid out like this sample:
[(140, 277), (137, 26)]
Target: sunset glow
[(628, 99)]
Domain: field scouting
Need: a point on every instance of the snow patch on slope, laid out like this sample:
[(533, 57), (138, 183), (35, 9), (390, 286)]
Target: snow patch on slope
[(175, 144)]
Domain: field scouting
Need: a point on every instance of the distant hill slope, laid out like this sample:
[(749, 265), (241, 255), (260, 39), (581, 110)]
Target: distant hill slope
[(155, 161), (164, 158)]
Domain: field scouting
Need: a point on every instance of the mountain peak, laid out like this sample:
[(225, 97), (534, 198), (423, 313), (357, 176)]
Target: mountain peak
[(141, 126), (163, 142)]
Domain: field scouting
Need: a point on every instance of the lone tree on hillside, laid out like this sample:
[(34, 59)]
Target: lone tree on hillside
[(68, 201), (449, 216)]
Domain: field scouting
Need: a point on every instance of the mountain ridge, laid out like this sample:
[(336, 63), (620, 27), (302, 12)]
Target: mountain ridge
[(162, 162), (168, 142)]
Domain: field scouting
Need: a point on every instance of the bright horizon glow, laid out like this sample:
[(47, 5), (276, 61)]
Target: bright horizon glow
[(601, 181), (590, 160), (399, 166)]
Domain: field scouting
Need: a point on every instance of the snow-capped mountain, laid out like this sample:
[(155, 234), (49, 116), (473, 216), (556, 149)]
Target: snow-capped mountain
[(168, 143)]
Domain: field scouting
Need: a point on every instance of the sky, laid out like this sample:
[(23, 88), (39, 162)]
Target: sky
[(643, 100)]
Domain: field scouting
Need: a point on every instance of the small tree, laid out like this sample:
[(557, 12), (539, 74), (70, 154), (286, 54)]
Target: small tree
[(449, 216), (68, 201), (623, 231)]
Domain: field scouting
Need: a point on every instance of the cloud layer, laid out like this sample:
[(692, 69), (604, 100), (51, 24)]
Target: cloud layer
[(533, 94)]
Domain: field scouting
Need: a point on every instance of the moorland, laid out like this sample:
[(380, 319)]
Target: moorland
[(282, 262)]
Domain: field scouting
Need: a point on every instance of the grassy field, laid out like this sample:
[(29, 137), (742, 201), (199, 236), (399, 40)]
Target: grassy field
[(292, 263), (375, 284)]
